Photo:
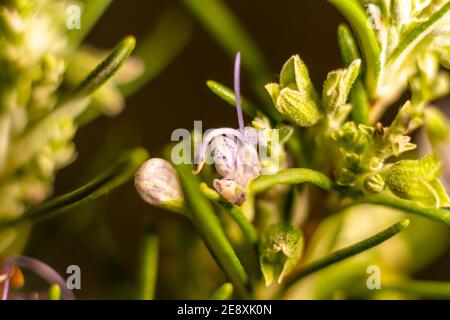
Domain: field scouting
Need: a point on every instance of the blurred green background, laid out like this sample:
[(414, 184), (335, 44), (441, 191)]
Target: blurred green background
[(103, 238)]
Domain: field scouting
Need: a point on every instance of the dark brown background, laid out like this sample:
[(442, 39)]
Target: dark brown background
[(174, 100)]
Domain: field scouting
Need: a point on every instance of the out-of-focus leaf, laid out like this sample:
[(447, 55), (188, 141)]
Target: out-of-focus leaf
[(91, 11), (170, 36)]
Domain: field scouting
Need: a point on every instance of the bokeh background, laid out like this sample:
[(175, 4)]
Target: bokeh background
[(103, 238)]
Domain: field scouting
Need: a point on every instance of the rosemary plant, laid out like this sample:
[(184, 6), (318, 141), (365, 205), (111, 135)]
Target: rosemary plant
[(347, 178)]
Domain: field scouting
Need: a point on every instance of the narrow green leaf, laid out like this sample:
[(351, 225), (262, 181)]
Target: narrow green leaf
[(106, 69), (358, 96), (208, 225), (91, 11), (349, 251), (228, 95), (235, 213), (223, 293), (110, 179), (361, 25), (148, 265), (292, 176), (439, 215), (417, 34)]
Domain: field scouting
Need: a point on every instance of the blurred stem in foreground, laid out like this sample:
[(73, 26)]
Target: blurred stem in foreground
[(148, 265)]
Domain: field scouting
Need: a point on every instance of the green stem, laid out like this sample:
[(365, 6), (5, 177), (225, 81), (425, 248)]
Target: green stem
[(112, 178), (439, 215), (148, 266), (348, 252), (234, 211), (361, 25), (208, 225), (292, 176)]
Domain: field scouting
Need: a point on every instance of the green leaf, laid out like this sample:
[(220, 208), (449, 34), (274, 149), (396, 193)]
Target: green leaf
[(223, 293), (280, 249), (106, 69), (358, 96), (148, 265), (361, 25), (91, 11), (349, 251), (416, 35), (439, 215), (292, 176), (228, 95), (208, 225), (110, 179)]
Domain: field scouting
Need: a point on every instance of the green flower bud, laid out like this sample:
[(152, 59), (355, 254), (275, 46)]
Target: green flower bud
[(345, 177), (297, 107), (338, 85), (417, 180), (295, 96), (352, 137), (374, 184), (280, 248)]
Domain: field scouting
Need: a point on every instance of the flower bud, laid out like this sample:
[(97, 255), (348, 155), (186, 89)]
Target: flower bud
[(280, 249), (230, 190), (417, 180), (374, 184), (298, 107), (338, 85), (295, 96), (157, 183)]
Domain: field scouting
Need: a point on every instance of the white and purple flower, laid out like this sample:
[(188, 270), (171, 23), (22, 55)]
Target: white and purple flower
[(234, 152)]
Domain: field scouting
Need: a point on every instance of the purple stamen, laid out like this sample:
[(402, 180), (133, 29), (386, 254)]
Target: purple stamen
[(237, 91), (44, 271)]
